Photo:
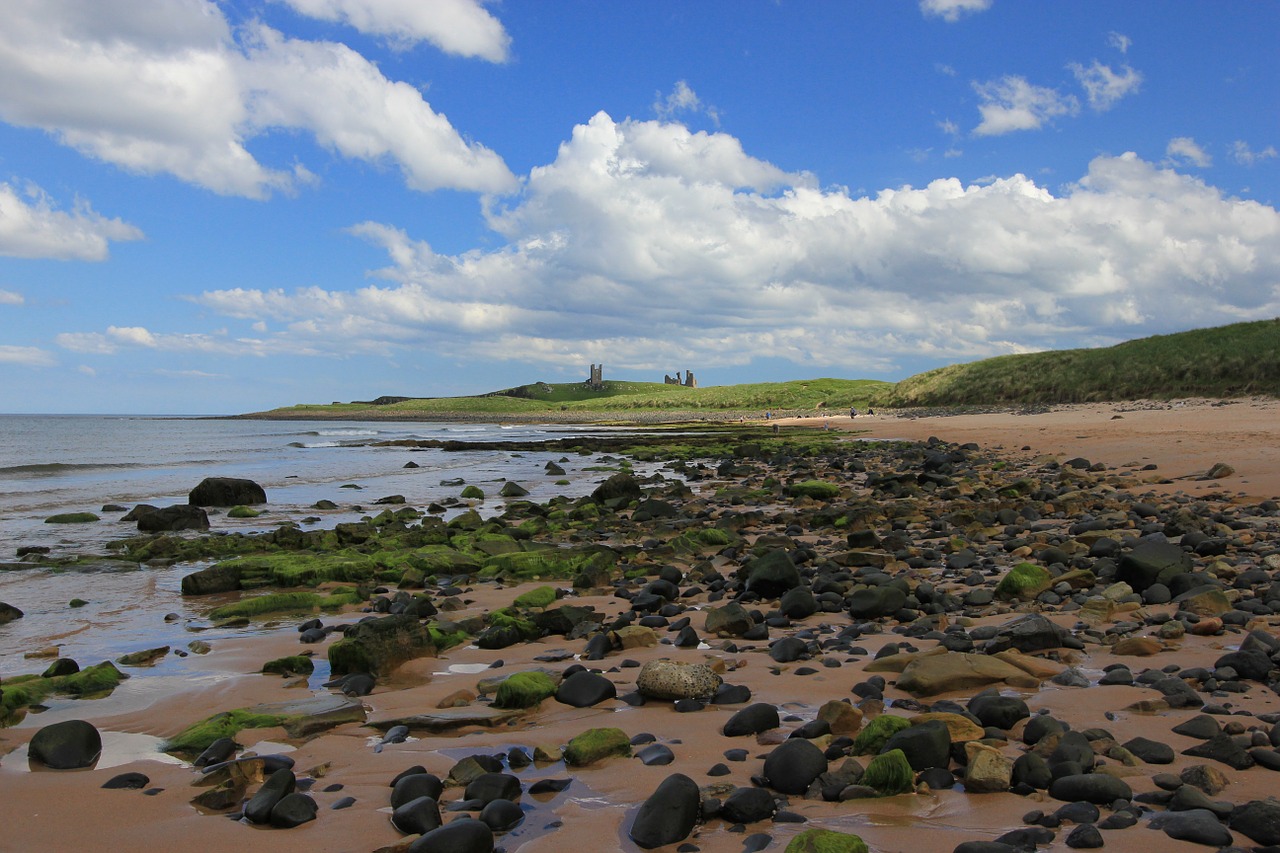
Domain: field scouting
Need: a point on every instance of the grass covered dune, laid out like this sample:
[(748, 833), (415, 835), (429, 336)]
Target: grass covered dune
[(1239, 360)]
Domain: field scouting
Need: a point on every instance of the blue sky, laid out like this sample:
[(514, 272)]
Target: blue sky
[(215, 207)]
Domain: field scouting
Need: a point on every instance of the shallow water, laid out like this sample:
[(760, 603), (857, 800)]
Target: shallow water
[(61, 464)]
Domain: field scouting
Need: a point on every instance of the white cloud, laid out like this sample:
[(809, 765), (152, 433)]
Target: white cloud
[(1119, 41), (117, 338), (189, 374), (87, 370), (1246, 156), (460, 27), (33, 227), (952, 10), (645, 245), (1185, 151), (26, 356), (8, 297), (1011, 103), (1104, 87), (163, 86)]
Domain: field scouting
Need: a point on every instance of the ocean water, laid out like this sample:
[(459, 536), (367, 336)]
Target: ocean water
[(57, 464)]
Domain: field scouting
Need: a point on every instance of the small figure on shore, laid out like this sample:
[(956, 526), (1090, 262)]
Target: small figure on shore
[(775, 429), (853, 413)]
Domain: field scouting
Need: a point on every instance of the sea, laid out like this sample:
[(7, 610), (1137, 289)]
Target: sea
[(60, 464)]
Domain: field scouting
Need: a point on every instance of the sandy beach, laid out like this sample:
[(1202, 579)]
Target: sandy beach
[(61, 810)]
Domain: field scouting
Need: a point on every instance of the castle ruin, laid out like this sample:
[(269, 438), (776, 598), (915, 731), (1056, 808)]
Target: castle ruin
[(689, 381), (596, 381)]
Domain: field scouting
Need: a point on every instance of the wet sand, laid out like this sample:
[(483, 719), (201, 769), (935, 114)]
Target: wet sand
[(61, 810)]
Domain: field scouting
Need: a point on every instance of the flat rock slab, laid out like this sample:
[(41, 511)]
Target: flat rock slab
[(448, 719), (314, 714), (931, 674)]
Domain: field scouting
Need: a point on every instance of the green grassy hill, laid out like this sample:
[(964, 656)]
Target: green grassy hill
[(616, 397), (1239, 360)]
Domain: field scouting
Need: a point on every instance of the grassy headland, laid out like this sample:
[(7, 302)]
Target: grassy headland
[(1239, 360), (617, 400)]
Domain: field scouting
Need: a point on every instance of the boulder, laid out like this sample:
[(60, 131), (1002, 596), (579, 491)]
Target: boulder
[(771, 575), (465, 835), (278, 785), (826, 841), (931, 674), (618, 490), (752, 719), (733, 619), (1151, 563), (987, 771), (596, 744), (226, 491), (8, 613), (874, 602), (177, 517), (793, 766), (68, 745), (584, 689), (220, 577), (669, 814), (417, 816), (380, 645), (674, 680)]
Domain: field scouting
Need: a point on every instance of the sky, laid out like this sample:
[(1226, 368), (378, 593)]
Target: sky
[(220, 206)]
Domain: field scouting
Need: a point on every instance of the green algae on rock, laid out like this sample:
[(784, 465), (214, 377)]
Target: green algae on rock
[(816, 489), (596, 744), (20, 691), (539, 598), (289, 665), (524, 690), (889, 773), (72, 518), (826, 841), (378, 646), (1025, 581), (877, 732)]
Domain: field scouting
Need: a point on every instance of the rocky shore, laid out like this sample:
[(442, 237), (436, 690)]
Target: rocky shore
[(795, 643)]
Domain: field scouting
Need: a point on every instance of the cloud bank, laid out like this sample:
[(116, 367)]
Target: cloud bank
[(647, 245), (168, 87), (460, 27)]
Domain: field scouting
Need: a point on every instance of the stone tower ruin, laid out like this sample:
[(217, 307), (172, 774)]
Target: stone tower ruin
[(596, 381)]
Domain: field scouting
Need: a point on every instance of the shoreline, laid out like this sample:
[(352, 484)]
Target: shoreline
[(602, 799)]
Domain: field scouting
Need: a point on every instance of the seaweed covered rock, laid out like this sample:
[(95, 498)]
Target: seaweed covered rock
[(772, 575), (524, 690), (596, 744), (1024, 581), (876, 734), (889, 773), (618, 490), (826, 841), (380, 645)]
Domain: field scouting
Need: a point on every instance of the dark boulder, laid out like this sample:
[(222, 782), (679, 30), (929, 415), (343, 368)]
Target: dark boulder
[(584, 689), (618, 490), (417, 816), (177, 517), (926, 745), (874, 602), (1098, 788), (669, 814), (278, 786), (380, 645), (461, 836), (68, 745), (8, 613), (226, 491), (752, 719), (793, 766), (293, 810), (1259, 820), (772, 575), (1152, 563), (748, 805)]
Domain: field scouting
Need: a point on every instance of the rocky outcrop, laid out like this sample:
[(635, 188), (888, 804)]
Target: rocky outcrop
[(226, 491)]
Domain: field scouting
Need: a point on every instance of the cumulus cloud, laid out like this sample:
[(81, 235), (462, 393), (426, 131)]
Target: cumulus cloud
[(647, 246), (459, 27), (26, 356), (8, 297), (1185, 151), (1011, 103), (1246, 156), (32, 226), (953, 10), (167, 86), (1103, 86)]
